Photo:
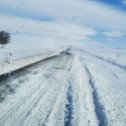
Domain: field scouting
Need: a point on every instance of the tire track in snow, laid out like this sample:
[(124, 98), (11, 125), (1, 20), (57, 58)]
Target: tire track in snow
[(6, 84), (69, 104), (98, 107), (29, 101), (11, 114), (47, 103), (69, 107), (69, 64), (32, 104), (123, 67), (51, 108), (46, 108), (82, 100), (57, 116), (52, 88)]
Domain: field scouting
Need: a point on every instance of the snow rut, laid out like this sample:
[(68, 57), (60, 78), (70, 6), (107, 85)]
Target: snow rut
[(40, 115), (59, 112), (24, 106), (8, 85), (64, 96), (69, 107), (123, 67), (26, 99), (80, 106), (47, 86), (98, 107), (12, 113)]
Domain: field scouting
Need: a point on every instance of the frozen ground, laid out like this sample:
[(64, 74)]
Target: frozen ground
[(71, 89), (116, 56), (10, 65)]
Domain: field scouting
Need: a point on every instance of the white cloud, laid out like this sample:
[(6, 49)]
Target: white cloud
[(42, 28), (75, 20), (114, 34), (27, 30), (86, 12)]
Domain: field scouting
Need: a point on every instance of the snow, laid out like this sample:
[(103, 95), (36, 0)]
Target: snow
[(110, 85), (84, 86), (6, 67), (72, 89), (110, 54), (83, 100)]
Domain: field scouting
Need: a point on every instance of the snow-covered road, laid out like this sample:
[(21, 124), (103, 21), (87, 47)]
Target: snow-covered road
[(72, 89)]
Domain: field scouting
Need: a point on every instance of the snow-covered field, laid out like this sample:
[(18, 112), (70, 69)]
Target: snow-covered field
[(80, 88), (10, 65), (115, 56)]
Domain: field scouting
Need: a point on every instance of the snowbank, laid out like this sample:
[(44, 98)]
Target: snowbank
[(17, 64)]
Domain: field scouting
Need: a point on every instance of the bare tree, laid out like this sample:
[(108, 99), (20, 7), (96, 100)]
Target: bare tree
[(4, 38)]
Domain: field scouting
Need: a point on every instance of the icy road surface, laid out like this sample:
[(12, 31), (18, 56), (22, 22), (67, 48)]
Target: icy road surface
[(72, 89)]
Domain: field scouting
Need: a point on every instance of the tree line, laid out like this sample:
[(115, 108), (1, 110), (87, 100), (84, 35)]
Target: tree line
[(4, 38)]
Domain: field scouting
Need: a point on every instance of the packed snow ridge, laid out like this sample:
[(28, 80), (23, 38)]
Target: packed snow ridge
[(73, 88), (10, 65)]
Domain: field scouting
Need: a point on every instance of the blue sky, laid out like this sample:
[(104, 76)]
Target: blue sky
[(103, 21), (119, 4)]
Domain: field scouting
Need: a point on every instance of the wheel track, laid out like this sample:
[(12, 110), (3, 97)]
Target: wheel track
[(52, 107), (98, 107), (51, 101), (60, 91), (57, 116), (24, 114), (25, 100), (29, 71), (17, 106), (122, 67), (69, 106), (42, 119)]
